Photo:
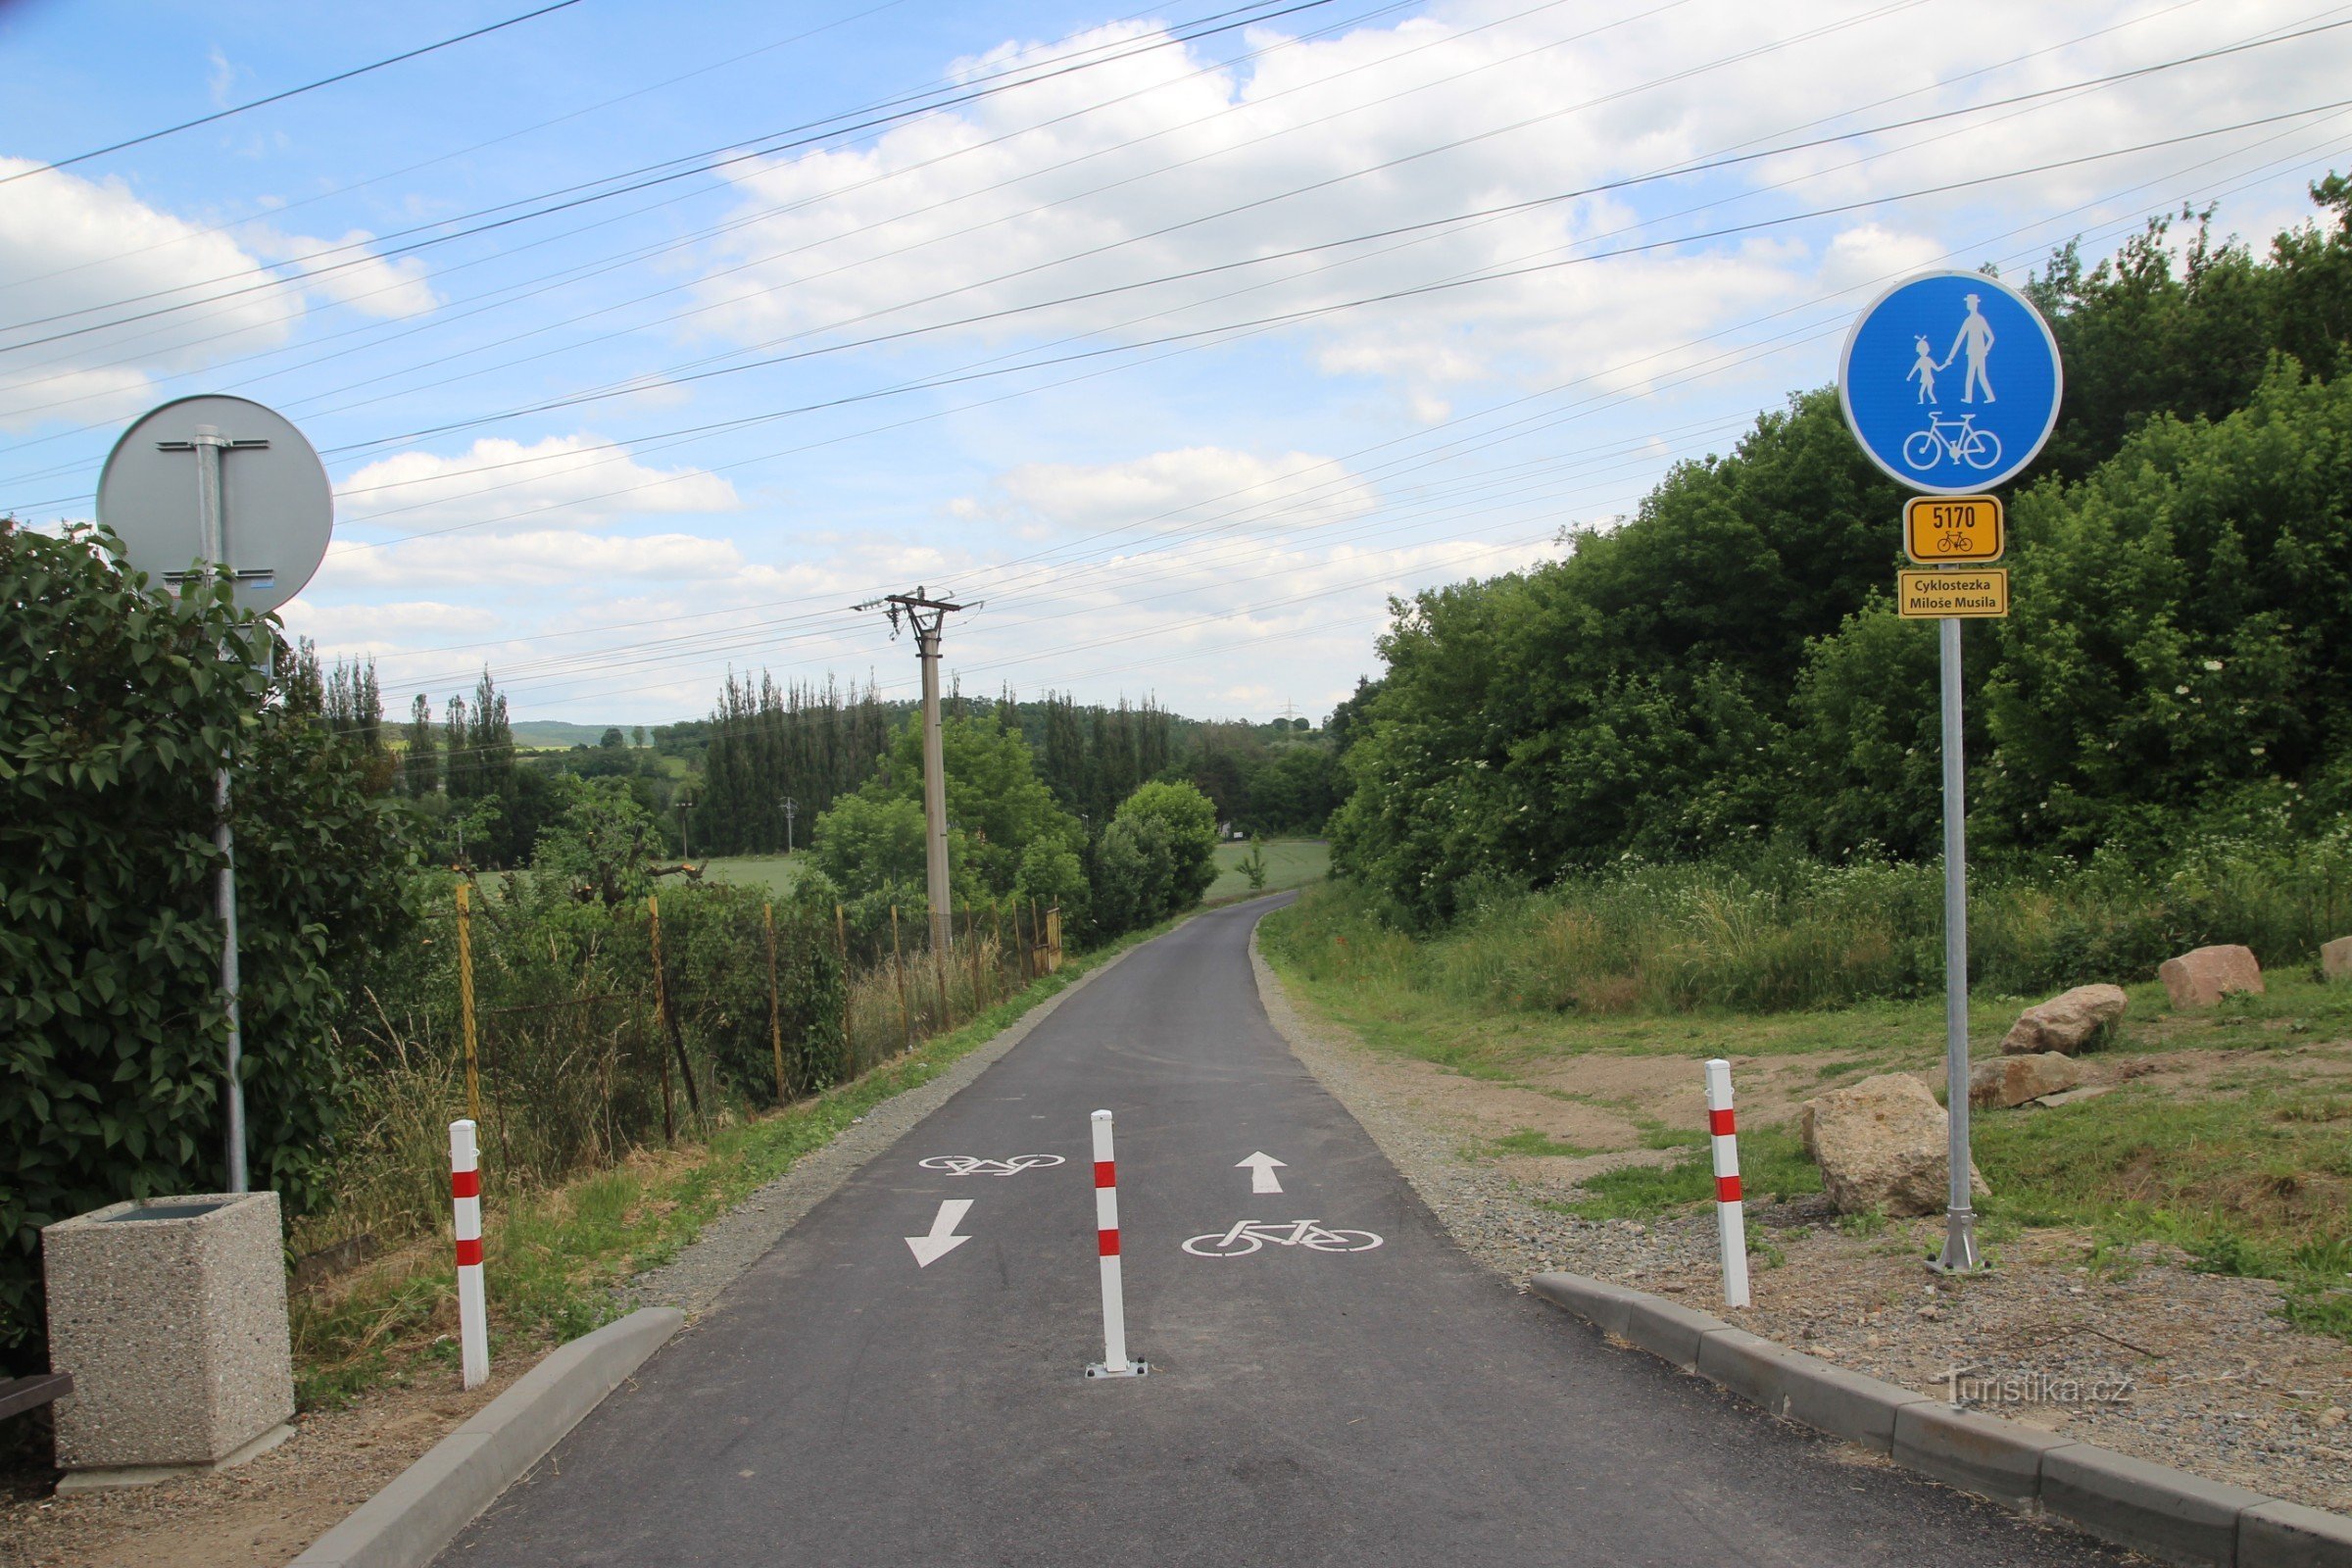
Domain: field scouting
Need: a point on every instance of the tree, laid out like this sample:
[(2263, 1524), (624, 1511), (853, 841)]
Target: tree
[(421, 755), (117, 704), (1156, 858), (612, 740)]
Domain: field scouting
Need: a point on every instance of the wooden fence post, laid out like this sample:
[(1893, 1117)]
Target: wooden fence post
[(669, 1018), (841, 940), (898, 967), (473, 1074), (776, 1007)]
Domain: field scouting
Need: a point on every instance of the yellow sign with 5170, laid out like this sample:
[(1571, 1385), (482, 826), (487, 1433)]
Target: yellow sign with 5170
[(1954, 530)]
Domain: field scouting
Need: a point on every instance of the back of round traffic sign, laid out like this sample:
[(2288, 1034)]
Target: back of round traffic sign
[(278, 509), (1951, 382)]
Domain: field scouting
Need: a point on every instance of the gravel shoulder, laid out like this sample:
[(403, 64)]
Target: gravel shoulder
[(2139, 1353)]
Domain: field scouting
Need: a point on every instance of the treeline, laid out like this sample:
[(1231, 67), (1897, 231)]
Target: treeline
[(765, 744), (1725, 670)]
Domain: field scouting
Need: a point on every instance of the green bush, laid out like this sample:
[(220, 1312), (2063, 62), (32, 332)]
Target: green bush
[(116, 709)]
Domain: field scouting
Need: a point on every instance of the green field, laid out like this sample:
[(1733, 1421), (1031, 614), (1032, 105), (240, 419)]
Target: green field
[(774, 873), (1289, 863)]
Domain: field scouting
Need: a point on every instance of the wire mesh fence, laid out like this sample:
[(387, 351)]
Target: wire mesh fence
[(576, 1032)]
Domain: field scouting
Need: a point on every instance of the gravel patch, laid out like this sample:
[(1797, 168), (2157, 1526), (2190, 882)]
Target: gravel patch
[(2141, 1354)]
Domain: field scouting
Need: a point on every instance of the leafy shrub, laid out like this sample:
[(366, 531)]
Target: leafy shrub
[(116, 708)]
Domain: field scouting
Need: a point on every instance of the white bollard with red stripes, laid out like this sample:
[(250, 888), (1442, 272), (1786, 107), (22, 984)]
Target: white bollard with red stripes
[(1730, 1216), (465, 1189), (1114, 1362)]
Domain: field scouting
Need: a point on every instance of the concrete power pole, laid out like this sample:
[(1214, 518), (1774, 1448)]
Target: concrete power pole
[(928, 617)]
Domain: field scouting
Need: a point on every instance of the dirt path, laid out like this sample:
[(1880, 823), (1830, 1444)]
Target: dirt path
[(259, 1514)]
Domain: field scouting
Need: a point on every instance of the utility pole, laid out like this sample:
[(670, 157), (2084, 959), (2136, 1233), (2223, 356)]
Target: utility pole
[(791, 807), (685, 827), (928, 617)]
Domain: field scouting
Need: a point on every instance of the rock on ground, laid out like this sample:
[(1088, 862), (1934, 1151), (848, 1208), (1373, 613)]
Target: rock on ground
[(2202, 978), (2065, 1024), (1882, 1145), (2336, 958), (2007, 1080)]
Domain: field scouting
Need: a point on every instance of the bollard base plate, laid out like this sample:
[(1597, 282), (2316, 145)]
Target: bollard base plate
[(1132, 1369)]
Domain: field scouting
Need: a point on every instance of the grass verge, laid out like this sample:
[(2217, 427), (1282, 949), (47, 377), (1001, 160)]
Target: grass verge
[(554, 1256)]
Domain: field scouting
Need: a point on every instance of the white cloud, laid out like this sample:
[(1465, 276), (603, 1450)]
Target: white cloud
[(346, 271), (564, 560), (98, 273), (576, 479), (1019, 200), (1212, 487)]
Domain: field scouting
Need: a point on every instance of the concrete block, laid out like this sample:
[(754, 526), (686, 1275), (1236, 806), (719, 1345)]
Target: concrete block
[(1596, 1301), (2165, 1513), (1668, 1329), (1846, 1405), (170, 1314), (1749, 1365), (407, 1523), (2287, 1535), (1979, 1454)]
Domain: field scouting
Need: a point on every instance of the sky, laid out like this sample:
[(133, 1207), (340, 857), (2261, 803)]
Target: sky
[(644, 342)]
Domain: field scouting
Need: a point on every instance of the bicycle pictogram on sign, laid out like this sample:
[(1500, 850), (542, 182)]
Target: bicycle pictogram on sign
[(1249, 1235)]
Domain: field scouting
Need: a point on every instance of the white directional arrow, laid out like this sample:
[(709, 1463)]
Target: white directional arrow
[(1262, 1168), (943, 1240)]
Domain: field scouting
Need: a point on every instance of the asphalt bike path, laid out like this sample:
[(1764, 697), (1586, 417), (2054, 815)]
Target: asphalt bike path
[(1315, 1396)]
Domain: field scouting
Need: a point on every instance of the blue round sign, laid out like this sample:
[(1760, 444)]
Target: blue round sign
[(1951, 382)]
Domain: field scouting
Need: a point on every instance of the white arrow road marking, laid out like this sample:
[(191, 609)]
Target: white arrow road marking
[(1262, 1168), (943, 1240)]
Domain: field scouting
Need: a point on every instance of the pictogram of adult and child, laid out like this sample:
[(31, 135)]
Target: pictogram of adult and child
[(1958, 440)]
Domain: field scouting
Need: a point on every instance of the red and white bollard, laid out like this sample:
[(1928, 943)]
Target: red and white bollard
[(465, 1189), (1730, 1217), (1114, 1362)]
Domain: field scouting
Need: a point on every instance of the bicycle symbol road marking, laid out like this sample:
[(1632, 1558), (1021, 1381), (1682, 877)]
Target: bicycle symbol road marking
[(973, 1166), (1249, 1235)]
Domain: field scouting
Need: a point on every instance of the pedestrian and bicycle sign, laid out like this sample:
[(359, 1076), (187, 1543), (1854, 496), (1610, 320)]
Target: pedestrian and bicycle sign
[(1951, 382), (1955, 531)]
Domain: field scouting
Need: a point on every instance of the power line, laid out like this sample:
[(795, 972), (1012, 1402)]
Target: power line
[(280, 97), (644, 178)]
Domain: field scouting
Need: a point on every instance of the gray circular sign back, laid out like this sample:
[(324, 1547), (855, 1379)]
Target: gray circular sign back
[(278, 509)]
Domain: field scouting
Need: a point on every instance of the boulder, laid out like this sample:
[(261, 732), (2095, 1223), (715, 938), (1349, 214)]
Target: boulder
[(2065, 1024), (2204, 977), (2007, 1080), (2336, 959), (1881, 1144)]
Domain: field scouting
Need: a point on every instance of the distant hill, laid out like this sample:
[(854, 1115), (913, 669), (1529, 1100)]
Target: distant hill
[(554, 732)]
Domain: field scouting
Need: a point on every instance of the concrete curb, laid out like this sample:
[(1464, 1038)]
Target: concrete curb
[(407, 1523), (2167, 1514)]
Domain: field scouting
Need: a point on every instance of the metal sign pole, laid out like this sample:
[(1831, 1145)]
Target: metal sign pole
[(212, 530), (1959, 1216), (285, 515)]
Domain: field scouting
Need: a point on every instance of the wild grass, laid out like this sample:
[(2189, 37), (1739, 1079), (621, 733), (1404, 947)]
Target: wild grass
[(1787, 934), (1772, 1164)]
